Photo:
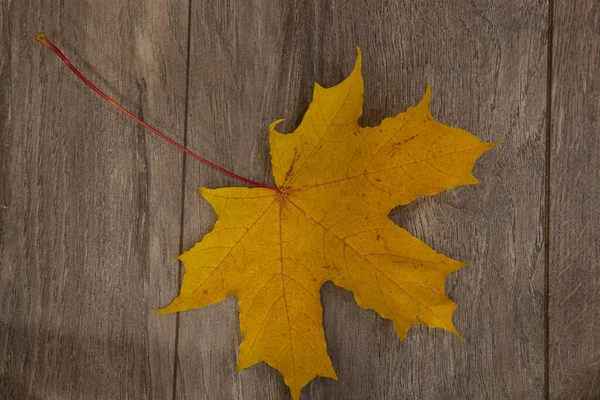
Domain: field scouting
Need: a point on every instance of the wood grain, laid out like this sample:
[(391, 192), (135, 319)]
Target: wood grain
[(574, 306), (91, 205), (256, 62), (90, 212)]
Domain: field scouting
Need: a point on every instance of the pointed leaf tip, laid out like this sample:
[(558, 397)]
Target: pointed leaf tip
[(358, 62), (491, 145), (274, 124), (427, 96), (159, 310)]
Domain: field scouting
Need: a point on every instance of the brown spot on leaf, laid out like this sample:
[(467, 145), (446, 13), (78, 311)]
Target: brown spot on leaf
[(291, 168)]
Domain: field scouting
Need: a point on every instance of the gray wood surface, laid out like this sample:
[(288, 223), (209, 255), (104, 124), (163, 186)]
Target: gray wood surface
[(574, 304), (90, 215), (94, 209)]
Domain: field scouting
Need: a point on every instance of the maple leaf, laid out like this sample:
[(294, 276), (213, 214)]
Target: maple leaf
[(328, 221)]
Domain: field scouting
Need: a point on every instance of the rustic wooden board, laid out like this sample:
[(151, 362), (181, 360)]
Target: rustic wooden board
[(91, 205), (574, 306), (256, 62), (90, 212)]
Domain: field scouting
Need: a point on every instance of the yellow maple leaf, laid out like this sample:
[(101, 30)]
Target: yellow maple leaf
[(273, 247), (328, 220)]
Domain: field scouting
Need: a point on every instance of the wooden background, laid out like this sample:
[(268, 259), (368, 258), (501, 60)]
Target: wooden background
[(94, 209)]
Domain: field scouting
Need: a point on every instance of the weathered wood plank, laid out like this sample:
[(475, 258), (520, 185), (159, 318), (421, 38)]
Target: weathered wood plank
[(256, 62), (574, 307), (90, 214)]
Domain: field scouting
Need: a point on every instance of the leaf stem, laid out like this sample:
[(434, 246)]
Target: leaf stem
[(43, 40)]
